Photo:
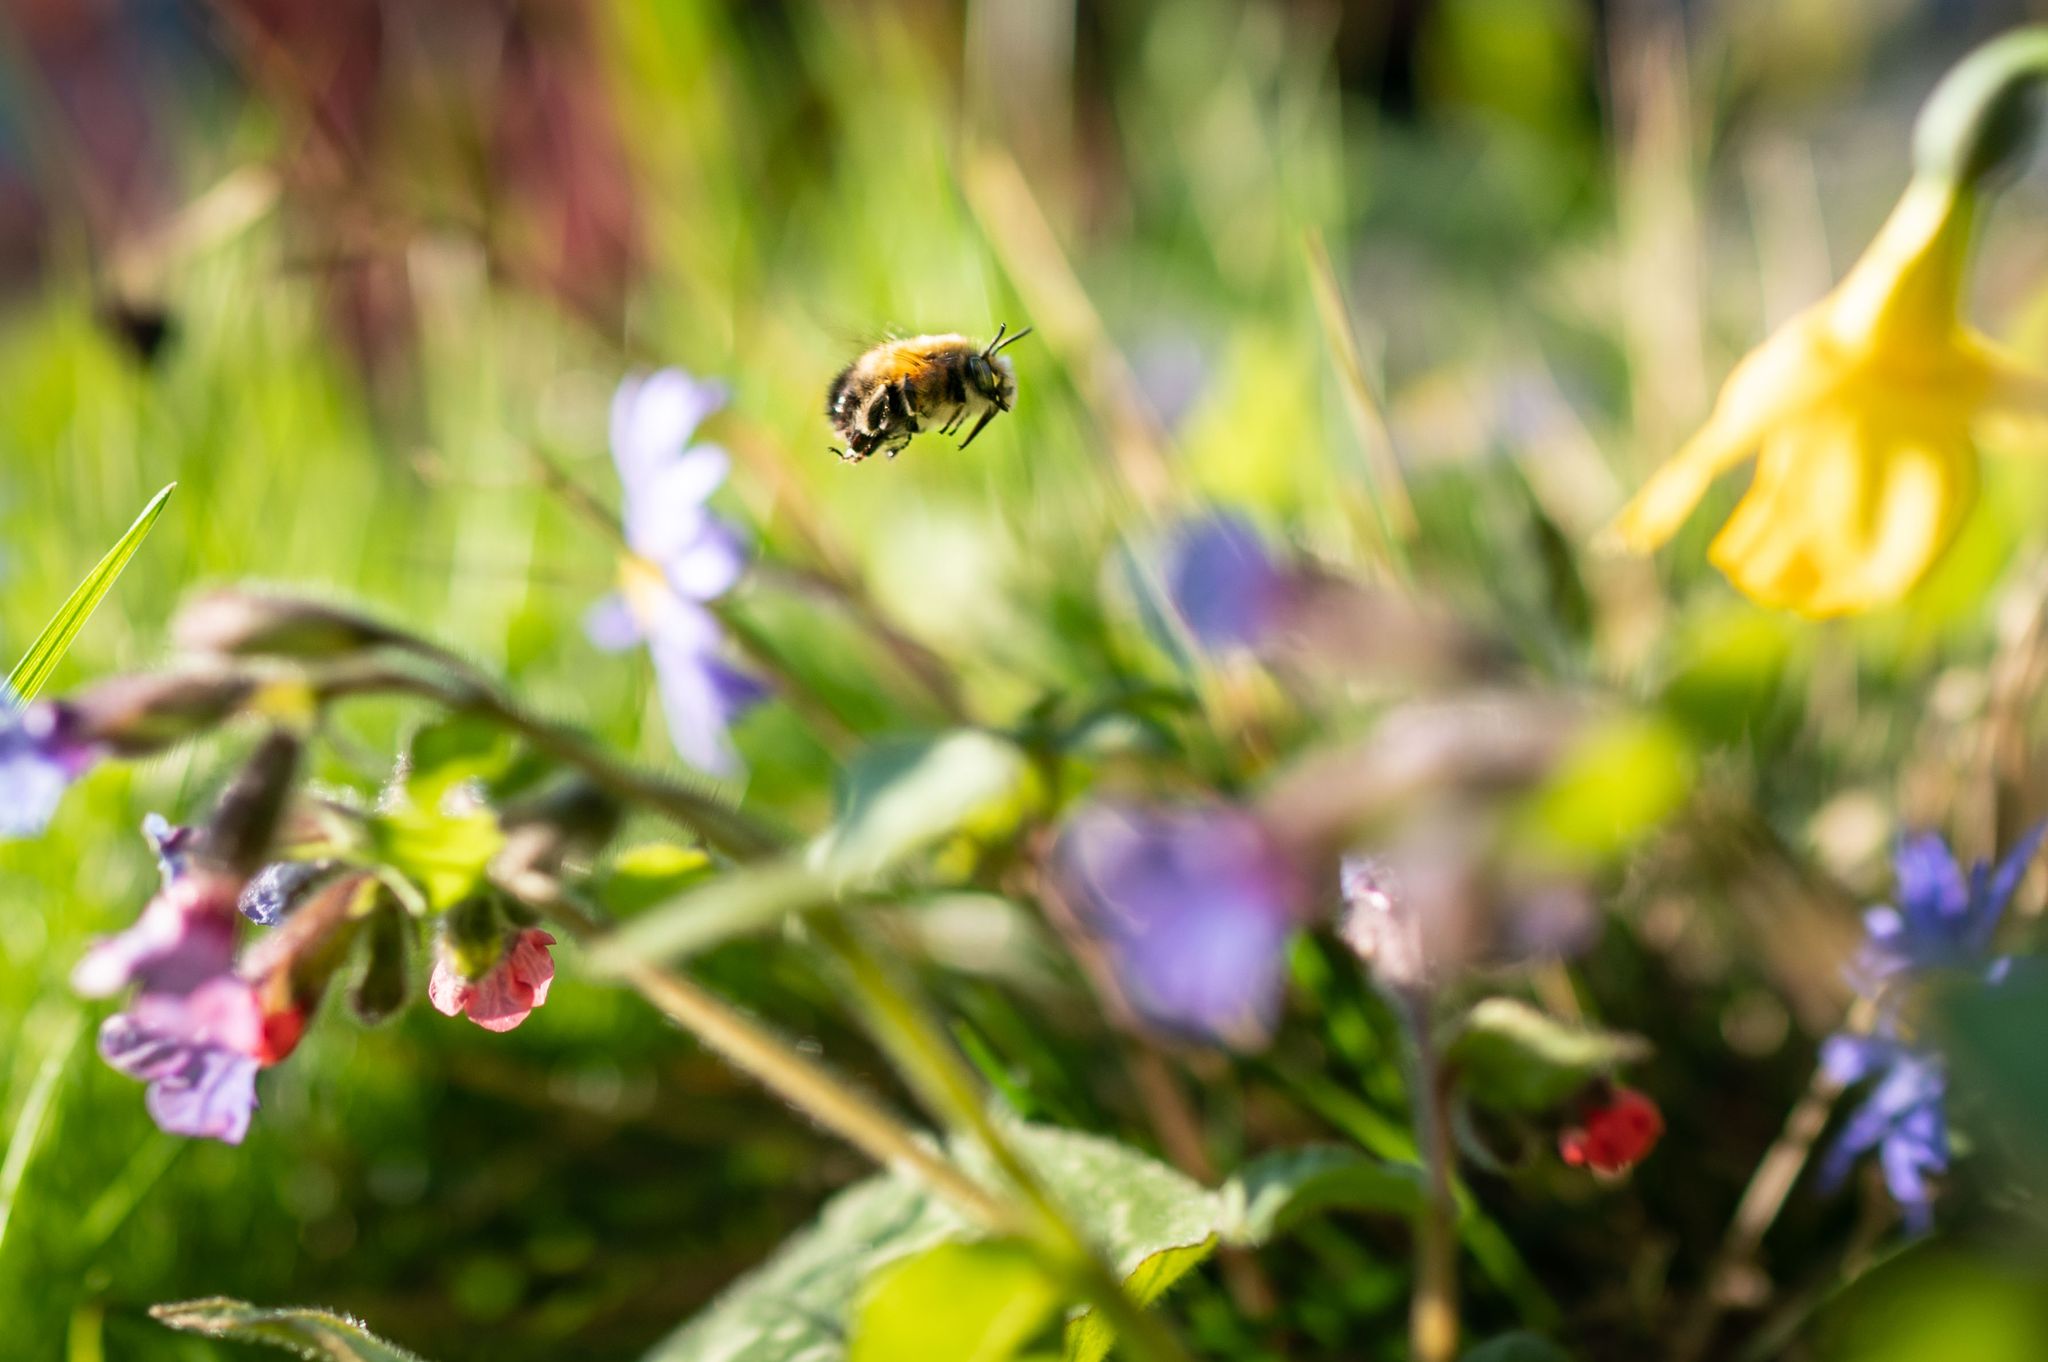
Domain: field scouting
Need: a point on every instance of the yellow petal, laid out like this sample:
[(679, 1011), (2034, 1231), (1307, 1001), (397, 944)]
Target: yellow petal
[(1903, 292), (1851, 506), (1773, 384)]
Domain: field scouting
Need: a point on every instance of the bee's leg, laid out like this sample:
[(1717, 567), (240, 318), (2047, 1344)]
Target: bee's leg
[(986, 417)]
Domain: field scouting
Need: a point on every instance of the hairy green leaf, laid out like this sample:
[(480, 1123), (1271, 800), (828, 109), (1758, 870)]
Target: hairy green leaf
[(978, 1302), (319, 1335)]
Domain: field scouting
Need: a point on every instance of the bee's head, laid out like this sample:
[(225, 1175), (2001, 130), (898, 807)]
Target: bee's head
[(991, 375)]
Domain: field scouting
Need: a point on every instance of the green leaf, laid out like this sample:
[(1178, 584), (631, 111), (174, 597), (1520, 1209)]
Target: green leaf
[(1090, 1337), (446, 855), (732, 904), (445, 753), (1510, 1056), (899, 799), (642, 876), (319, 1335), (1516, 1347), (1275, 1192), (1619, 780), (48, 650), (1152, 1224), (978, 1302)]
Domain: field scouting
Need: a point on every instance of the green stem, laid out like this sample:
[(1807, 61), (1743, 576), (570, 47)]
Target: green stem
[(721, 826), (1976, 119), (949, 1089), (780, 1067)]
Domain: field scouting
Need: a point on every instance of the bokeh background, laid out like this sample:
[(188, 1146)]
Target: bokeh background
[(342, 270)]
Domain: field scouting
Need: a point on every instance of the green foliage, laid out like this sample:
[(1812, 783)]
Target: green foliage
[(445, 854), (976, 1302), (902, 798), (317, 1335), (1153, 1224), (48, 650), (1509, 1055), (1516, 1347)]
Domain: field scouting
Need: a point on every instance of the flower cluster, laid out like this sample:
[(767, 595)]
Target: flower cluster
[(1944, 922), (681, 557), (196, 1031)]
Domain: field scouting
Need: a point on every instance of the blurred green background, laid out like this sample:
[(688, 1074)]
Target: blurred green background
[(341, 271)]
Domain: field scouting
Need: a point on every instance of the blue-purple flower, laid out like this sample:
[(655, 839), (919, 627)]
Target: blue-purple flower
[(196, 1032), (41, 753), (1195, 907), (1944, 920), (1226, 588), (1902, 1118), (681, 556)]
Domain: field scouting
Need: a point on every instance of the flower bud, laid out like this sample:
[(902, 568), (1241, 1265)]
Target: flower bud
[(137, 716), (385, 984), (245, 821), (236, 623), (293, 965)]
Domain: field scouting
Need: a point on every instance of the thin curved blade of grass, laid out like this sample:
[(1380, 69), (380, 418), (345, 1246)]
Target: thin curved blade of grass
[(320, 1335), (33, 1118), (48, 650)]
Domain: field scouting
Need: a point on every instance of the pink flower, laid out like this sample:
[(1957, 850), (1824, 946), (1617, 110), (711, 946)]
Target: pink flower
[(513, 987)]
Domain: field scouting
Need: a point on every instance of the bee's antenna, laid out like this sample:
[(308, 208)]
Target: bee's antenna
[(1000, 344), (1000, 329)]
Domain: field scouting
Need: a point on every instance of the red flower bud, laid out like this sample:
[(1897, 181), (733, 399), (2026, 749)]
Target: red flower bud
[(1616, 1131)]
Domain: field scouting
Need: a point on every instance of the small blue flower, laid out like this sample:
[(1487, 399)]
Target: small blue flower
[(1223, 583), (1196, 908), (1903, 1119), (681, 557), (41, 753), (1943, 920)]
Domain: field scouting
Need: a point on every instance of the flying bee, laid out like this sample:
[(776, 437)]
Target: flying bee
[(902, 387)]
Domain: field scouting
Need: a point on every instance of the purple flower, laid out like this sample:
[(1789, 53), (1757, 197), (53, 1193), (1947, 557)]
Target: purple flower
[(195, 1032), (197, 1051), (1902, 1119), (185, 936), (41, 753), (1223, 584), (1944, 920), (682, 556), (1196, 908), (274, 890)]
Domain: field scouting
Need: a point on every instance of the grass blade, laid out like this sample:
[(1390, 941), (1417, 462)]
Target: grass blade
[(48, 650)]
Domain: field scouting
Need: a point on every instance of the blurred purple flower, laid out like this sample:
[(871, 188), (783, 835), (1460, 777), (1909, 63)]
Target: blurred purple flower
[(184, 937), (1222, 583), (1943, 921), (1196, 907), (197, 1051), (41, 753), (1903, 1119), (681, 557)]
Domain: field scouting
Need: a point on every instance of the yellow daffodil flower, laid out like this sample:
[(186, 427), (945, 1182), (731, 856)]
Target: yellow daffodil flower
[(1861, 412)]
